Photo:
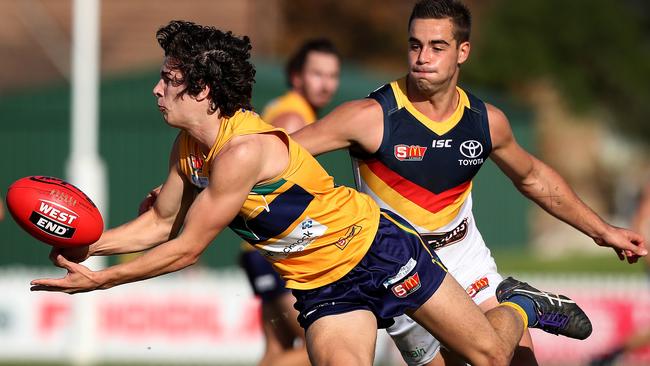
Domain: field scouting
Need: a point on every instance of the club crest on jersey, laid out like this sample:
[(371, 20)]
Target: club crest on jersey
[(408, 286), (478, 286), (196, 163), (409, 152)]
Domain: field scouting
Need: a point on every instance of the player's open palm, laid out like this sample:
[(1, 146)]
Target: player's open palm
[(626, 243), (79, 279)]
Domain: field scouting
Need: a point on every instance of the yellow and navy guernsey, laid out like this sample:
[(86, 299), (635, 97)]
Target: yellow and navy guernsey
[(290, 102), (311, 231), (423, 169)]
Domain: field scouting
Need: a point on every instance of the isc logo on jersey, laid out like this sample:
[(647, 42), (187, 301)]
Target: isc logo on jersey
[(409, 152), (53, 219)]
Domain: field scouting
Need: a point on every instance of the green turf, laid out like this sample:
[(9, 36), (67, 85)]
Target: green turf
[(524, 261)]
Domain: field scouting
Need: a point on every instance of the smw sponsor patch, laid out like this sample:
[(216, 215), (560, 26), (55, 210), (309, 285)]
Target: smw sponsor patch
[(402, 285), (408, 286), (409, 152), (478, 286)]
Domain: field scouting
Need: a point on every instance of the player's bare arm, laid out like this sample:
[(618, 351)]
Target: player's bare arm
[(358, 123), (154, 227), (549, 190), (233, 173), (289, 121)]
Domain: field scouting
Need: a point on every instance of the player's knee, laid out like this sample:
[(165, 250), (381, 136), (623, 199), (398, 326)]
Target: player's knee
[(500, 358), (492, 354)]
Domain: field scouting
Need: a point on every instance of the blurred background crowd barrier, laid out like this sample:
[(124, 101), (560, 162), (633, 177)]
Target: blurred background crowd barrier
[(572, 77)]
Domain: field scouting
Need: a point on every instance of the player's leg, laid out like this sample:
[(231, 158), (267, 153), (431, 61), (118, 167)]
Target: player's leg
[(279, 318), (285, 343), (415, 344), (451, 316), (343, 339), (524, 354)]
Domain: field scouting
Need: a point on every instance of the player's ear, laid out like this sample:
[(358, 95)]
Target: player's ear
[(296, 80), (463, 52), (203, 94)]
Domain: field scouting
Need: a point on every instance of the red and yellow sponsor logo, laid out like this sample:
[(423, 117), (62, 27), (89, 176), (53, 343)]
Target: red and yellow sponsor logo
[(409, 152), (408, 286), (477, 287)]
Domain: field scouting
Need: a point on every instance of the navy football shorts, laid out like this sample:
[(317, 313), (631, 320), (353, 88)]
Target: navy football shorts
[(265, 281), (398, 273)]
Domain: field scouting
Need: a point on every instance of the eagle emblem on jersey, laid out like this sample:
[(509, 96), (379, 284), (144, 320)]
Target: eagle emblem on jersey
[(409, 152)]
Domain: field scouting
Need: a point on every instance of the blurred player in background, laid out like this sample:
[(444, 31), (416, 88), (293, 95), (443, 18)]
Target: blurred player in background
[(418, 142), (351, 267), (313, 77), (640, 223)]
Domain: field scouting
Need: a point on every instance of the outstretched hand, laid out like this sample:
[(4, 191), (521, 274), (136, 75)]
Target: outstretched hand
[(76, 254), (79, 279), (627, 244)]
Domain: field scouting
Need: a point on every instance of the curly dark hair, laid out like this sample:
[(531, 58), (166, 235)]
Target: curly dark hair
[(207, 56)]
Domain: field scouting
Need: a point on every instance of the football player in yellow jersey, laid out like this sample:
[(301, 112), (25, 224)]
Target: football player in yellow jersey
[(313, 77), (351, 267), (426, 108), (312, 74)]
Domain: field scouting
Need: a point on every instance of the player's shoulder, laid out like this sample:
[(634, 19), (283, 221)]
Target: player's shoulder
[(495, 112), (243, 146), (362, 108), (290, 121), (496, 117), (500, 130)]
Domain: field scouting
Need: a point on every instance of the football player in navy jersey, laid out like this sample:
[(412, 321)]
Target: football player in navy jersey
[(416, 144)]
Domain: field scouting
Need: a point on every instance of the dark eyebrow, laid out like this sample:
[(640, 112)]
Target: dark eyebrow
[(414, 40), (432, 42)]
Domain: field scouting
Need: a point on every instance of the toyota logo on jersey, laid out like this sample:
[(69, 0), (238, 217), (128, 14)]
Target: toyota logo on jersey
[(471, 149)]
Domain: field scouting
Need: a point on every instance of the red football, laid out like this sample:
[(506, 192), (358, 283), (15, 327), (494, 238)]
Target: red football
[(54, 211)]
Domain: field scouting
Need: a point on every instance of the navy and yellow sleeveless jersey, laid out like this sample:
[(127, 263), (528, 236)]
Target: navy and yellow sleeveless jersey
[(423, 169), (290, 102), (311, 231)]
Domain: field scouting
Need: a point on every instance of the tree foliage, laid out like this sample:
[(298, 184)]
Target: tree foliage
[(597, 52)]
